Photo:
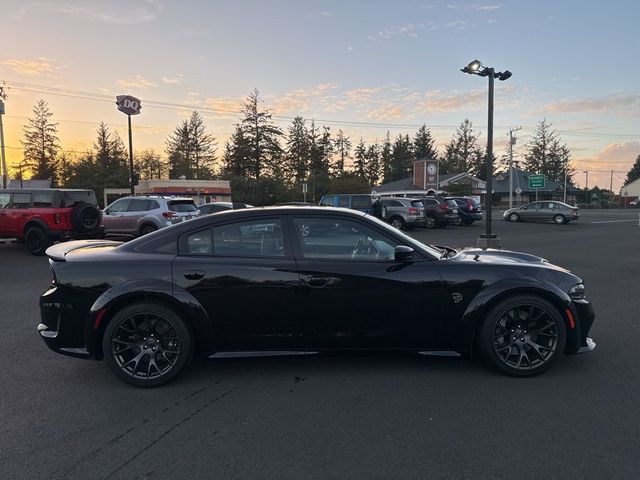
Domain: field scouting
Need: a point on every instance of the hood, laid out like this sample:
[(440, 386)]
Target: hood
[(61, 251), (490, 255)]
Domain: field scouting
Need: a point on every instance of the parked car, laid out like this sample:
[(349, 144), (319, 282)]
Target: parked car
[(438, 212), (140, 215), (361, 202), (39, 217), (469, 210), (249, 281), (545, 211), (401, 212), (214, 207), (635, 203)]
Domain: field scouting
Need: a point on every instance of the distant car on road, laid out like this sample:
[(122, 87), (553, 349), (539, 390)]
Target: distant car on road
[(215, 207), (249, 281), (545, 211), (140, 215), (635, 203)]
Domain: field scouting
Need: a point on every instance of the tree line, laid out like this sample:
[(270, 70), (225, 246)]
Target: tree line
[(267, 164)]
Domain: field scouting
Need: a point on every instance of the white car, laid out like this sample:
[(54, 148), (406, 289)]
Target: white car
[(635, 203)]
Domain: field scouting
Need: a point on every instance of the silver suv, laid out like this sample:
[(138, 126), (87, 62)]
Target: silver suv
[(401, 212), (139, 215)]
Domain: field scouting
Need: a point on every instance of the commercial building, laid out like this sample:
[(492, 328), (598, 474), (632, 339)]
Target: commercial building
[(202, 191)]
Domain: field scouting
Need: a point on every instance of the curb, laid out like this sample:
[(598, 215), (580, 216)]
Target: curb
[(8, 240)]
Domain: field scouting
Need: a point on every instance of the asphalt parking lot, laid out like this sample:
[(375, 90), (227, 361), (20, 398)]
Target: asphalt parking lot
[(336, 417)]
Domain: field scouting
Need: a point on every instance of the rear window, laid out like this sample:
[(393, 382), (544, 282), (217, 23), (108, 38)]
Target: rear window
[(182, 206), (71, 198), (42, 199), (416, 204), (452, 203), (360, 201)]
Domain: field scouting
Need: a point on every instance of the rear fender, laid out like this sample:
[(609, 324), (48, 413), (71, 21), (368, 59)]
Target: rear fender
[(119, 296), (501, 290)]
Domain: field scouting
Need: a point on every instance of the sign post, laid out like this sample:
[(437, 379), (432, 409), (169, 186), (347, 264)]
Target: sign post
[(304, 192), (130, 106), (537, 182)]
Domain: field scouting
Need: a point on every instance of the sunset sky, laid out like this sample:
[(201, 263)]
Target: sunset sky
[(365, 67)]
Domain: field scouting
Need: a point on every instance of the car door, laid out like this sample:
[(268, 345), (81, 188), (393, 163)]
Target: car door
[(4, 214), (530, 212), (356, 295), (18, 212), (137, 209), (113, 219), (243, 274)]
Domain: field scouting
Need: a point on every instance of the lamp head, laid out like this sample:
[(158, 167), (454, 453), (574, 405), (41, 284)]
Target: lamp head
[(504, 75), (472, 67)]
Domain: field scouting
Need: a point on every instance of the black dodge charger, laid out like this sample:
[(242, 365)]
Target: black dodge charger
[(304, 279)]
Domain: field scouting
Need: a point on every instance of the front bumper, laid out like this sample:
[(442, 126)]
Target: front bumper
[(578, 340)]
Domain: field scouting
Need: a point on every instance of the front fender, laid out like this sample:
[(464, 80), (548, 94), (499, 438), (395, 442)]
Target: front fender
[(121, 295), (488, 297)]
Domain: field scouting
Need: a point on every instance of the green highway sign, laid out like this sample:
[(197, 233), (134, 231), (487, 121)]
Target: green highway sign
[(536, 181)]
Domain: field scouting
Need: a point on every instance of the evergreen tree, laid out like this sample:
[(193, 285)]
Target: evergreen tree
[(360, 160), (463, 153), (179, 148), (424, 144), (634, 172), (386, 159), (342, 148), (236, 156), (401, 159), (297, 154), (262, 137), (373, 164), (65, 169), (547, 155), (149, 165), (325, 150), (203, 148), (41, 143)]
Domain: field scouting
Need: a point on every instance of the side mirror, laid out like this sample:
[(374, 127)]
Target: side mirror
[(106, 211), (524, 208), (402, 254)]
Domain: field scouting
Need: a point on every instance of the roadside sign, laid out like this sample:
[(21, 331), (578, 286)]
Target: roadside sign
[(128, 104), (536, 181), (304, 188), (518, 191)]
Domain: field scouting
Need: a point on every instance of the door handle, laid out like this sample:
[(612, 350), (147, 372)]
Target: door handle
[(196, 275), (320, 282)]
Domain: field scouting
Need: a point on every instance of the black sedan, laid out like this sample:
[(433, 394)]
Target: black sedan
[(249, 281)]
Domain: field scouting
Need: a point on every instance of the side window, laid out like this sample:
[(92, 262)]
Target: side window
[(338, 239), (20, 200), (257, 238), (327, 201), (4, 199), (42, 199), (153, 205), (120, 205), (138, 205), (343, 201)]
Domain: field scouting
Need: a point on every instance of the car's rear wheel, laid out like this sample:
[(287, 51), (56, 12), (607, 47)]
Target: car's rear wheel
[(36, 241), (522, 336), (514, 217), (430, 221), (147, 344), (467, 221), (397, 222), (147, 229), (559, 219), (457, 222)]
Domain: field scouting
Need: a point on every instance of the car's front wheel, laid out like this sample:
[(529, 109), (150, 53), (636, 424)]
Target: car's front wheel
[(147, 344), (522, 336), (514, 217), (397, 222)]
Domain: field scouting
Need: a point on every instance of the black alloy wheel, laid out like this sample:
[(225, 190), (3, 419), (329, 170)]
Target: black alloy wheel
[(457, 222), (36, 241), (430, 221), (514, 217), (147, 344), (146, 229), (523, 336), (559, 219)]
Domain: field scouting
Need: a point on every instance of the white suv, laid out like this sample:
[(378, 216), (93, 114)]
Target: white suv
[(139, 215)]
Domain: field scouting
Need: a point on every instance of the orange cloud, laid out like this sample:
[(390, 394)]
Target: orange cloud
[(136, 81), (387, 112), (40, 67)]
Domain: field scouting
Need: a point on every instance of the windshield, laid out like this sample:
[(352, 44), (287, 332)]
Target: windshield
[(409, 241)]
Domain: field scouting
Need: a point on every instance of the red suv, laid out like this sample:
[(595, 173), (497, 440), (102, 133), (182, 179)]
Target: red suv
[(38, 217)]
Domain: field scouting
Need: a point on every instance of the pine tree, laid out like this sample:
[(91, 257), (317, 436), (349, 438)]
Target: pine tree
[(373, 164), (547, 155), (179, 148), (41, 143), (203, 147), (297, 154), (342, 148), (262, 136), (424, 144), (463, 153), (401, 159), (65, 168), (360, 160), (149, 165), (386, 158), (634, 172)]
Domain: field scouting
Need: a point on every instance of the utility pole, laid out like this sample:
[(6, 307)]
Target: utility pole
[(611, 186), (512, 142), (586, 186), (3, 97)]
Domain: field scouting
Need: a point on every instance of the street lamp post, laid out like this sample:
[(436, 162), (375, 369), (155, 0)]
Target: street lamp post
[(586, 186), (488, 239)]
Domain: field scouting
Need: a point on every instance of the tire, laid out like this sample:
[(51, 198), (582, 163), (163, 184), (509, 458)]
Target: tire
[(143, 332), (147, 229), (85, 217), (397, 222), (539, 331), (430, 221), (514, 217), (457, 222), (468, 222), (36, 241), (559, 219)]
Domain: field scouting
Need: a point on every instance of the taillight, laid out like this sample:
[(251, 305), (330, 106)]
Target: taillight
[(414, 211), (444, 206), (469, 205), (168, 214), (56, 218)]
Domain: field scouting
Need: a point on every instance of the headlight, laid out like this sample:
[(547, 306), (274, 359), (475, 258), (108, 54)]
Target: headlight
[(577, 292)]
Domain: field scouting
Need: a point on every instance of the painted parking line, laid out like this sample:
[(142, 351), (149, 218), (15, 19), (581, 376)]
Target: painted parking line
[(616, 221)]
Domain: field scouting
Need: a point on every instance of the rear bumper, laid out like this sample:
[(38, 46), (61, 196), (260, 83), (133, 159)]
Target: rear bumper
[(64, 235)]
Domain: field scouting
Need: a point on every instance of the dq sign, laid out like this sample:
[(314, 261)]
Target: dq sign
[(128, 104)]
